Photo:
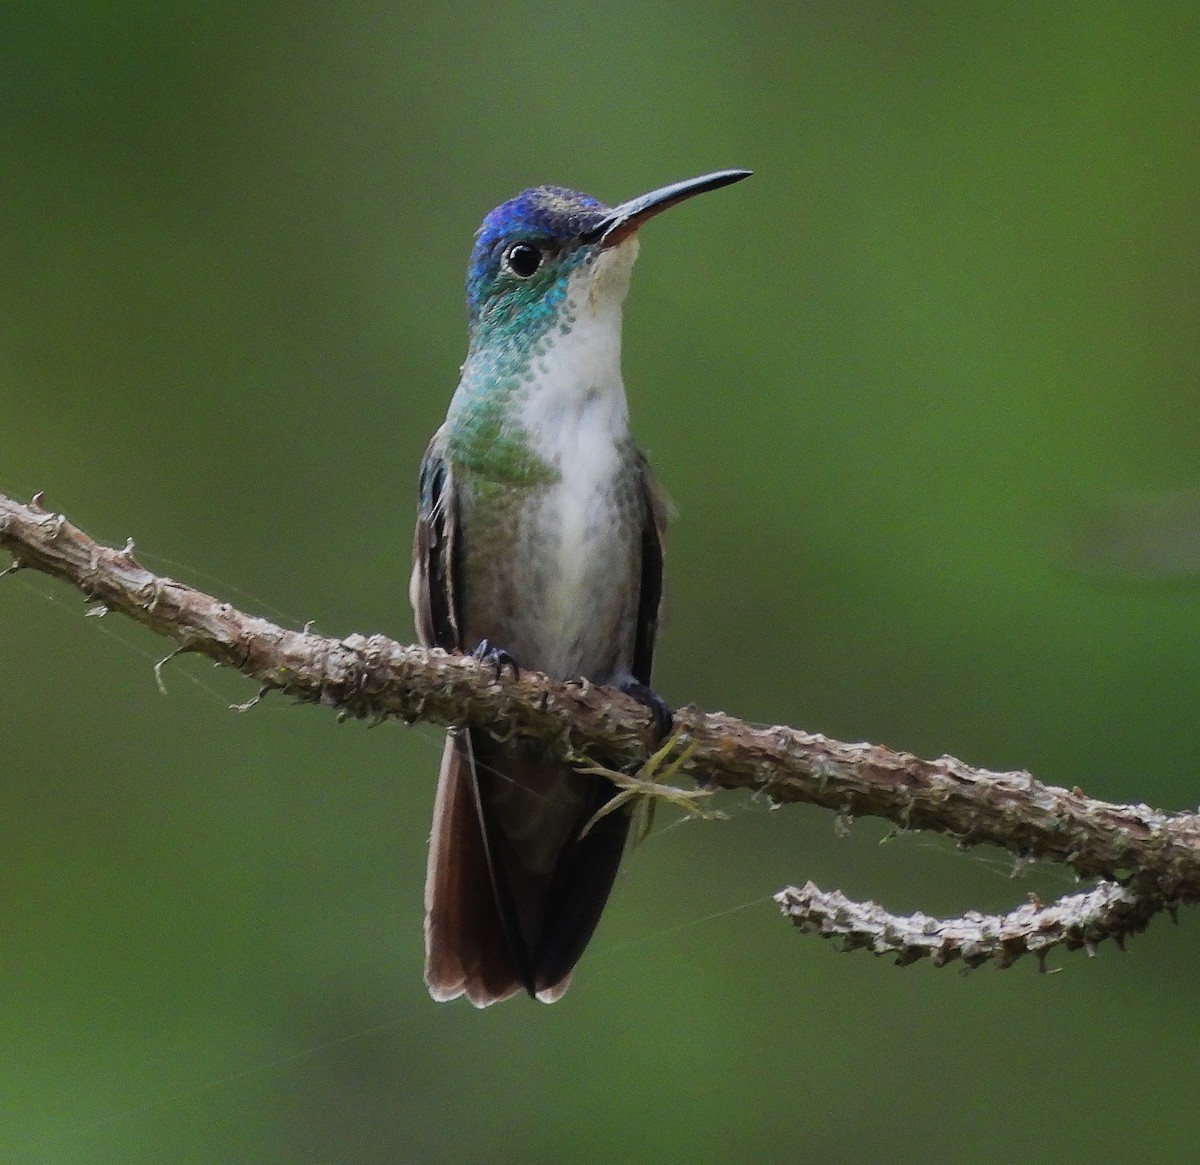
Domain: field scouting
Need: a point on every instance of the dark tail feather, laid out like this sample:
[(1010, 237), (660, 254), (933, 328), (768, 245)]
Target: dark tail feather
[(550, 885), (513, 893), (582, 883), (466, 952)]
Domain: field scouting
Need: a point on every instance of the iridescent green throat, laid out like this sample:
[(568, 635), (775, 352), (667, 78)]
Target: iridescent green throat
[(512, 332)]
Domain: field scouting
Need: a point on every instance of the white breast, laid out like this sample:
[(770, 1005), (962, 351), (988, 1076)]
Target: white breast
[(577, 420)]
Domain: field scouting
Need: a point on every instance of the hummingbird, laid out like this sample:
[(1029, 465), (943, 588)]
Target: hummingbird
[(539, 544)]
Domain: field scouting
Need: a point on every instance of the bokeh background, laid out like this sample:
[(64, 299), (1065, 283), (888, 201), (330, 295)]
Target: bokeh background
[(925, 393)]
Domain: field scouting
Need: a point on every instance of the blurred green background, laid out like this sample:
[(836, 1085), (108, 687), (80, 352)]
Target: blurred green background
[(924, 392)]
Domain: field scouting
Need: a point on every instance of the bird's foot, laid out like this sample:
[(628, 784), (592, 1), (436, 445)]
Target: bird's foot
[(660, 710), (488, 653)]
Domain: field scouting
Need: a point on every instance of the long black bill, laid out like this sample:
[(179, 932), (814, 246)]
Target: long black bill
[(620, 222)]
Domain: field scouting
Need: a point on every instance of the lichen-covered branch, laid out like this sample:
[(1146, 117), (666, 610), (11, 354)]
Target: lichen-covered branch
[(1155, 856), (1083, 920)]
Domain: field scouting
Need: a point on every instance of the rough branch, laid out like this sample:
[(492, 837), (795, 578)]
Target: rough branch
[(1074, 921), (1155, 856)]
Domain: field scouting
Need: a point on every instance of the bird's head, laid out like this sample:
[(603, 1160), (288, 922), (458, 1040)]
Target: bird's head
[(550, 245)]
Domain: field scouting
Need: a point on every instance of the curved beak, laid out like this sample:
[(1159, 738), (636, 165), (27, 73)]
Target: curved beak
[(620, 222)]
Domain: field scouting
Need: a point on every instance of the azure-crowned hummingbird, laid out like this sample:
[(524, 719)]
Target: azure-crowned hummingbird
[(539, 544)]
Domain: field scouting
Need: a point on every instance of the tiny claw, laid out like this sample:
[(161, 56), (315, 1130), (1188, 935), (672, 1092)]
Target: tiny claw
[(488, 652), (660, 710)]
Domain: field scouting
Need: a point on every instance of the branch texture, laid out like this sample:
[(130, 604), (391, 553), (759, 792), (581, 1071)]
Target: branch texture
[(1074, 921), (1155, 856)]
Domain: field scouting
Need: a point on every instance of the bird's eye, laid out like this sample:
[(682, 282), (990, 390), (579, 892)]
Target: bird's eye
[(523, 259)]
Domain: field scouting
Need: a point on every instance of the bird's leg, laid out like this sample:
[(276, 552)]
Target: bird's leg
[(488, 653), (660, 710)]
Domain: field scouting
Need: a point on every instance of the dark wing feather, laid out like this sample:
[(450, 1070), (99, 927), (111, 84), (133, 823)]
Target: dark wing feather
[(431, 590), (466, 948), (654, 531)]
